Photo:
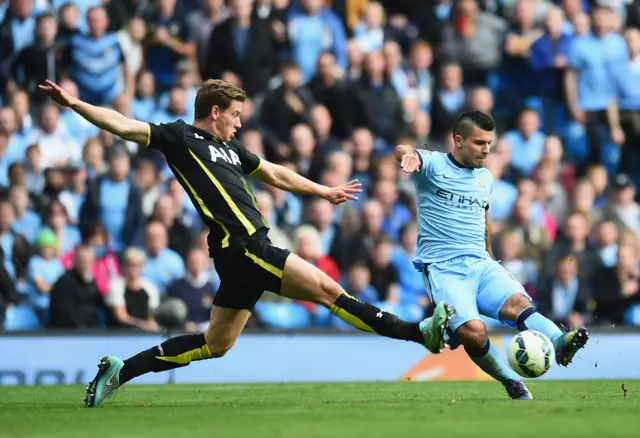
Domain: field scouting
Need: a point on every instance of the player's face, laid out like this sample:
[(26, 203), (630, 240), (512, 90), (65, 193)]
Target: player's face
[(228, 122), (475, 149)]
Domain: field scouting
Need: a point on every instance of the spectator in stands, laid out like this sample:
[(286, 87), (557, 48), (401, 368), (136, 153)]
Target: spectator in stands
[(504, 193), (384, 275), (622, 206), (75, 301), (302, 145), (419, 75), (448, 100), (521, 34), (363, 155), (186, 210), (26, 221), (147, 179), (176, 108), (376, 104), (168, 42), (583, 200), (617, 288), (241, 45), (144, 102), (510, 252), (286, 106), (16, 143), (195, 290), (8, 295), (393, 67), (360, 244), (122, 12), (606, 240), (162, 265), (131, 41), (396, 215), (599, 179), (326, 143), (39, 61), (93, 158), (551, 194), (106, 265), (548, 60), (5, 161), (475, 40), (96, 62), (629, 102), (17, 30), (132, 298), (534, 237), (14, 248), (588, 82), (308, 245), (115, 202), (412, 289), (56, 219), (329, 88), (369, 34), (313, 28), (358, 283), (527, 143), (322, 215), (565, 297), (180, 238), (68, 23), (43, 270), (73, 196), (575, 243), (277, 236), (20, 102), (57, 147), (202, 22)]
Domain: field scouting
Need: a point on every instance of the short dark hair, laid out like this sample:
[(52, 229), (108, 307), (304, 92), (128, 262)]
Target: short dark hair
[(465, 123), (216, 92)]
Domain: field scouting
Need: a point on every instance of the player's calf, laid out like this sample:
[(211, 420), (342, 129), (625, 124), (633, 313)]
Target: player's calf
[(473, 336)]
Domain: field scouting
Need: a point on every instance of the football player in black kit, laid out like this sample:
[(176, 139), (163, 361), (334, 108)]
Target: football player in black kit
[(213, 166)]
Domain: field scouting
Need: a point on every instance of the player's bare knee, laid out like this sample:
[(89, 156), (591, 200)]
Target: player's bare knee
[(472, 334), (514, 305)]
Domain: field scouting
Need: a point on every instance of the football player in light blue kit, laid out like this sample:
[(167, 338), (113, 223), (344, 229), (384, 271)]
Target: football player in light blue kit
[(454, 251)]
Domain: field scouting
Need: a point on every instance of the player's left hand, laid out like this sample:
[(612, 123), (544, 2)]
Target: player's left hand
[(338, 195), (410, 163)]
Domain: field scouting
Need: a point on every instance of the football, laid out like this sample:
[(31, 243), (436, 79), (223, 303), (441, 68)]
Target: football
[(530, 354)]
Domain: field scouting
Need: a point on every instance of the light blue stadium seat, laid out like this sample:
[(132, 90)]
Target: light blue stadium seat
[(410, 312), (632, 315), (322, 317), (283, 315), (21, 317), (575, 142)]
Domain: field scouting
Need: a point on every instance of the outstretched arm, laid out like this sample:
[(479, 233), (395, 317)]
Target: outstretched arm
[(104, 118), (408, 158), (286, 179)]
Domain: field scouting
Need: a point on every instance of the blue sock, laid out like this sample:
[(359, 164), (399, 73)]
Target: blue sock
[(530, 319), (489, 360)]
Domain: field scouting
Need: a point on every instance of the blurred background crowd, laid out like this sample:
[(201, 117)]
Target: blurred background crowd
[(96, 232)]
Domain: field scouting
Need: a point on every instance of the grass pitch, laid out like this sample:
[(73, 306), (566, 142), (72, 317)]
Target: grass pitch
[(367, 410)]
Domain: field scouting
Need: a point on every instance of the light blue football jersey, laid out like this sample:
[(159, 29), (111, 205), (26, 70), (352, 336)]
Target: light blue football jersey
[(452, 201)]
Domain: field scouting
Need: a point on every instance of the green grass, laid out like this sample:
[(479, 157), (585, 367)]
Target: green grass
[(403, 409)]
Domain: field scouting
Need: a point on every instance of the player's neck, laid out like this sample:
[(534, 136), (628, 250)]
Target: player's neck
[(207, 127), (457, 161)]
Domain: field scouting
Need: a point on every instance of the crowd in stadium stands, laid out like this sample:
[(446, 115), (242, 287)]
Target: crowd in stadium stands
[(96, 232)]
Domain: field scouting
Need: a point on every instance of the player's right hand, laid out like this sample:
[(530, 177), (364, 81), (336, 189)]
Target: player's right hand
[(56, 93), (410, 163)]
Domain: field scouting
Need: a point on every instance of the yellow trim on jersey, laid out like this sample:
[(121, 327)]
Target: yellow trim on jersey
[(255, 202), (204, 208), (241, 217), (188, 356), (148, 136), (256, 169), (264, 265)]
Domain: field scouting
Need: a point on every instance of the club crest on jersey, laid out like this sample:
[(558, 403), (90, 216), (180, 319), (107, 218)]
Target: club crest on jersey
[(227, 155), (482, 185)]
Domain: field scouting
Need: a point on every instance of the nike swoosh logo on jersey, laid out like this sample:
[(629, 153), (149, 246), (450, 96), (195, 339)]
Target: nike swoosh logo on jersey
[(445, 176)]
